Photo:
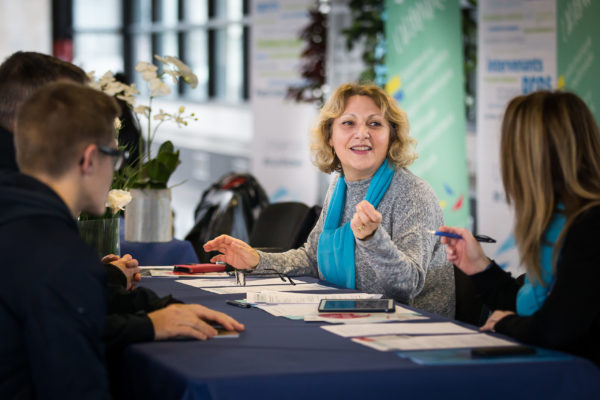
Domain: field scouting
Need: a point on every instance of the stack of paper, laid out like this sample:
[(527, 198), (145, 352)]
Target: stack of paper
[(416, 336), (431, 342), (253, 285), (305, 306)]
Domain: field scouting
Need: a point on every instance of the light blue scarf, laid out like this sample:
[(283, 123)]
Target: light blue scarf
[(335, 252), (532, 294)]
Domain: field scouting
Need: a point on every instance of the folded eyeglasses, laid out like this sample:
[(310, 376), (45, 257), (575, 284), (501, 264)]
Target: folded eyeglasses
[(240, 275)]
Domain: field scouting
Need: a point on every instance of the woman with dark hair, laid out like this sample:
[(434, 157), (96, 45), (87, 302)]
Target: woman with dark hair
[(550, 161), (372, 234)]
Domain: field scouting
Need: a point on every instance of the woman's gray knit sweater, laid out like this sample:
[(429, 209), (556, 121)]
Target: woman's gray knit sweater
[(401, 260)]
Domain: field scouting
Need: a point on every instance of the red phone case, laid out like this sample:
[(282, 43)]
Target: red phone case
[(198, 268)]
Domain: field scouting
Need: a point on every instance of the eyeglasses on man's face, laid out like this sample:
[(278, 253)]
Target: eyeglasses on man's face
[(119, 156)]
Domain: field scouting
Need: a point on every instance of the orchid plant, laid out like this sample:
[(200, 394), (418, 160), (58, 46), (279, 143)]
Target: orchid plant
[(150, 172)]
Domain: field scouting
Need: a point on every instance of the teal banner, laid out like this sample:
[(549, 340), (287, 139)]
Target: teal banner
[(425, 75), (578, 42)]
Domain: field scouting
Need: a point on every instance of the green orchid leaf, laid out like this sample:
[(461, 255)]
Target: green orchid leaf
[(166, 147), (169, 160), (157, 171)]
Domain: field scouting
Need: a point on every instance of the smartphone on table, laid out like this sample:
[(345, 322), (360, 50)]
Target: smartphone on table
[(356, 305)]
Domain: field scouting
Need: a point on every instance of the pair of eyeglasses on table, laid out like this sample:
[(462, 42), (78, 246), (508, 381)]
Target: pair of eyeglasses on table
[(240, 275)]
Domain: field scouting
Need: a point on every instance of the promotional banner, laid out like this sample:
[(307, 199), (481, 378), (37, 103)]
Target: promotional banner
[(425, 75), (281, 160), (578, 41), (516, 55)]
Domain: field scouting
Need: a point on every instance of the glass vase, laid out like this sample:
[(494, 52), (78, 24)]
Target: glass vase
[(101, 234)]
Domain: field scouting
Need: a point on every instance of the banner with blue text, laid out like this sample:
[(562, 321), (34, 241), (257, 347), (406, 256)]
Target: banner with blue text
[(425, 75), (516, 55)]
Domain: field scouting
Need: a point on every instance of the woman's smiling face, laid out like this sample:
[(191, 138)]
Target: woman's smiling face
[(360, 137)]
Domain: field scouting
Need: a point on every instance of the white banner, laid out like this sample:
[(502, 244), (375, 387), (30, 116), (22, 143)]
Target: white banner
[(517, 55), (281, 156)]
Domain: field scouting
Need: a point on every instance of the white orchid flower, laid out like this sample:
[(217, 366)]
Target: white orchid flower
[(182, 70), (161, 116), (180, 121), (147, 70), (107, 78), (158, 88), (143, 110), (172, 74)]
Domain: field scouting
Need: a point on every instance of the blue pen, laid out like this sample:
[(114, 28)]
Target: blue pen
[(479, 238)]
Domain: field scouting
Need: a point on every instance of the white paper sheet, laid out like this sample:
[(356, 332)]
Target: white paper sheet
[(203, 283), (431, 342), (289, 310), (426, 328), (254, 289), (400, 314), (272, 297)]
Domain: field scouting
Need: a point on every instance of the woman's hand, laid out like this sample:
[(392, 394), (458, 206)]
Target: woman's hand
[(235, 252), (496, 316), (365, 220), (465, 253)]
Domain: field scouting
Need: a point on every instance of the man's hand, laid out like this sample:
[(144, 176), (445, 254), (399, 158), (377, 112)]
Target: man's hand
[(189, 320), (128, 265)]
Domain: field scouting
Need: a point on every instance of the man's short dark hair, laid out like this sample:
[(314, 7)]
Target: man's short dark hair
[(23, 73), (58, 122)]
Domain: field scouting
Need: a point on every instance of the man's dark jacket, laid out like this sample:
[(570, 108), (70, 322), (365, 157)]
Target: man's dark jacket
[(7, 151), (53, 298)]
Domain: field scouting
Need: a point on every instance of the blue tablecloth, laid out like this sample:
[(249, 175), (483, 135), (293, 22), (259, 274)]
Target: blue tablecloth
[(282, 358), (156, 253)]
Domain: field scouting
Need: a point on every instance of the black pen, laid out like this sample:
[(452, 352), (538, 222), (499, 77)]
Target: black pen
[(479, 238), (237, 303)]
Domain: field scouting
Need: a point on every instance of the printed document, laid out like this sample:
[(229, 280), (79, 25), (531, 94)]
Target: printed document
[(425, 328), (431, 342), (272, 297), (203, 283), (254, 289)]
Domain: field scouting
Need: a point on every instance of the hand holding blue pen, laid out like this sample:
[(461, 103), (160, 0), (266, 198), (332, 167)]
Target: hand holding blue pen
[(479, 238)]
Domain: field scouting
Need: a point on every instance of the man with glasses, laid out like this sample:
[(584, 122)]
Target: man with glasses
[(53, 291), (53, 299)]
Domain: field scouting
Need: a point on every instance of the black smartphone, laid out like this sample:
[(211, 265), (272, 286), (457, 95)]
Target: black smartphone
[(356, 305), (502, 351)]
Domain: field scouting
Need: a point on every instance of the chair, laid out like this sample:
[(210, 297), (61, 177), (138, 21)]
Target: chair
[(283, 226)]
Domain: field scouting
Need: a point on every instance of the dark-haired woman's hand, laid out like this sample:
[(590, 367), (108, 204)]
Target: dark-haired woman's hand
[(465, 253)]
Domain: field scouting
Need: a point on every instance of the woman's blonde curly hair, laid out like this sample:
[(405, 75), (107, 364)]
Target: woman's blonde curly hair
[(401, 148)]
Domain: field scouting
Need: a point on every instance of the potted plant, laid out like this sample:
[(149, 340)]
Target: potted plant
[(148, 218)]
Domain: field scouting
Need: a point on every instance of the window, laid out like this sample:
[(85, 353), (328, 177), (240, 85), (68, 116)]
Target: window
[(211, 36), (98, 43)]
